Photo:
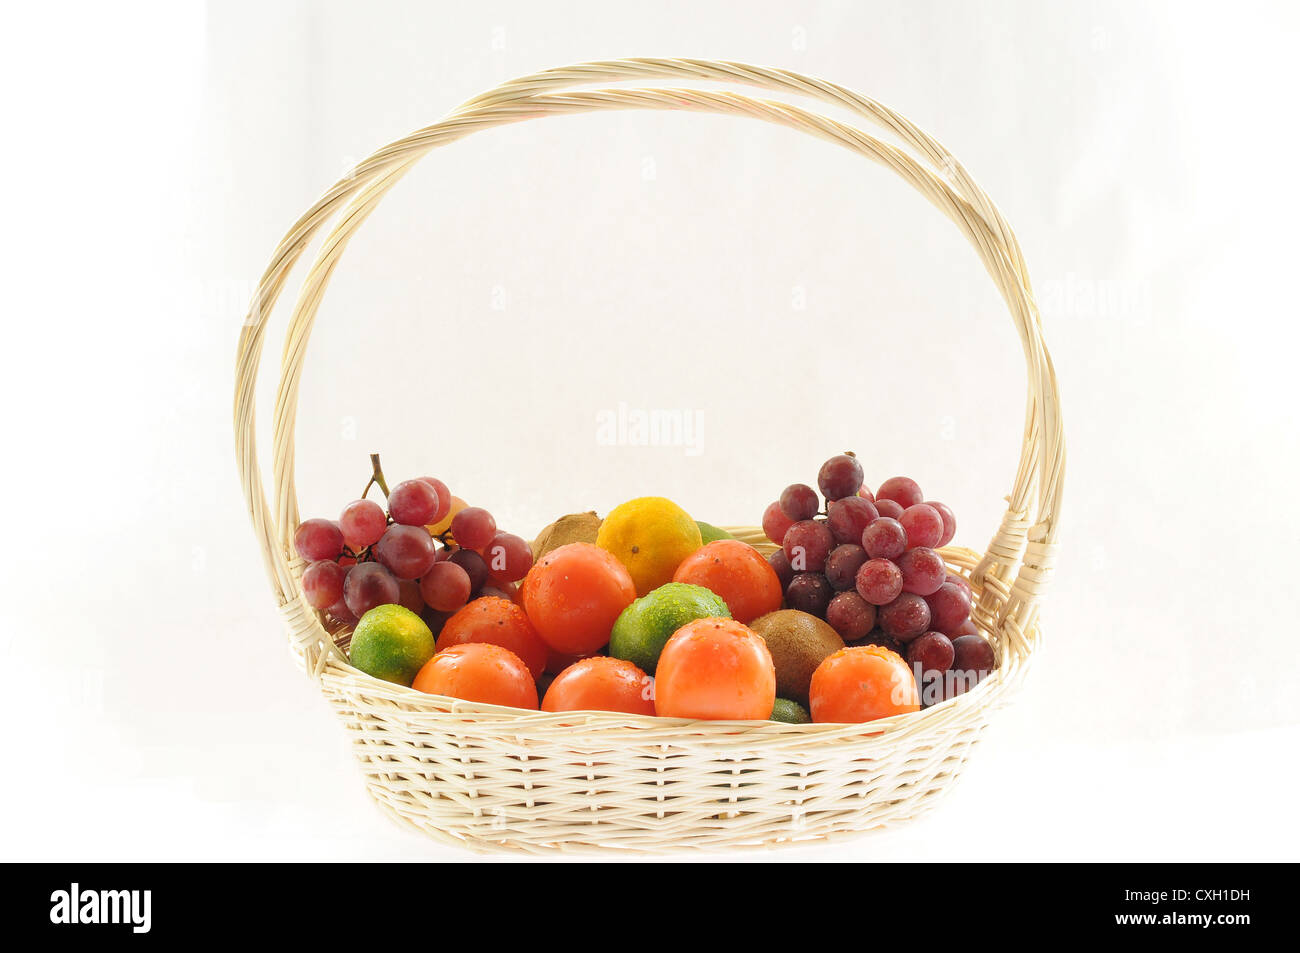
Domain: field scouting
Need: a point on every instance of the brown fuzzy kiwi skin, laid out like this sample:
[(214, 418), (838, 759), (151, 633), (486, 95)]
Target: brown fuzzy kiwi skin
[(798, 643), (574, 528)]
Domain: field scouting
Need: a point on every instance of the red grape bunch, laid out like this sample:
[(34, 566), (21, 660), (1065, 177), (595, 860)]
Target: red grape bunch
[(370, 556), (868, 564)]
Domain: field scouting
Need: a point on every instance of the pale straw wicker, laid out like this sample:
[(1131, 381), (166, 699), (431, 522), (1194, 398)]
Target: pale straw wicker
[(491, 778)]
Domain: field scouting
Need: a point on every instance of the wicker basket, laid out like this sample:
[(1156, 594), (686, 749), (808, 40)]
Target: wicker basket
[(491, 778)]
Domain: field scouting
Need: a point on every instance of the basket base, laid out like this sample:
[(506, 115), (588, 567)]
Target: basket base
[(450, 821), (490, 779)]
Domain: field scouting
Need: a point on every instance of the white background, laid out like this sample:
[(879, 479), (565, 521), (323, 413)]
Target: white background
[(801, 300)]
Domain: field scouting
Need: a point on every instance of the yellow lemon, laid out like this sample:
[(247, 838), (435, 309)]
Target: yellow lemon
[(650, 536)]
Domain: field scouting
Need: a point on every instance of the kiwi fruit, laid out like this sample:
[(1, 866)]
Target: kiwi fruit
[(574, 528), (798, 642)]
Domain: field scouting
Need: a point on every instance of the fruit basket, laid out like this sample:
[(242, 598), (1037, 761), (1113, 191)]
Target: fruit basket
[(486, 777)]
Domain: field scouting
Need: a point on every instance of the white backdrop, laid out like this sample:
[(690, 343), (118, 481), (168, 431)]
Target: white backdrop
[(794, 299)]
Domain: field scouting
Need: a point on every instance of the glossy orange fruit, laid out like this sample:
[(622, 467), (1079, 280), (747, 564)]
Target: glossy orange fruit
[(862, 683), (499, 622), (573, 595), (737, 573), (479, 672), (601, 683), (715, 668)]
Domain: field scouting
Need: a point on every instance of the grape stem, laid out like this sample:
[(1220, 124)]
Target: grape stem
[(376, 477)]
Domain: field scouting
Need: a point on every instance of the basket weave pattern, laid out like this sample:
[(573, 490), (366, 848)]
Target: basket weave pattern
[(491, 778)]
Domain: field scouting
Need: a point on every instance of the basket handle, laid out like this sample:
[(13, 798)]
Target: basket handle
[(1020, 555)]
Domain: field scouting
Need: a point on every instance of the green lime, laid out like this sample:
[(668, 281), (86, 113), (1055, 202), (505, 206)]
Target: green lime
[(711, 533), (792, 713), (644, 627), (391, 642)]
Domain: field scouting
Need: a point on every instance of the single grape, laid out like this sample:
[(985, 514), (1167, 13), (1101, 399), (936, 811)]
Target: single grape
[(840, 476), (932, 652), (340, 612), (807, 544), (508, 557), (905, 618), (879, 581), (322, 583), (317, 539), (966, 628), (973, 653), (888, 508), (963, 583), (434, 619), (973, 659), (901, 490), (866, 494), (799, 502), (444, 498), (413, 503), (409, 595), (850, 615), (923, 525), (849, 517), (475, 567), (445, 587), (780, 562), (949, 522), (406, 551), (949, 608), (368, 585), (884, 538), (362, 523), (923, 571), (775, 522), (842, 566), (808, 592), (473, 527)]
